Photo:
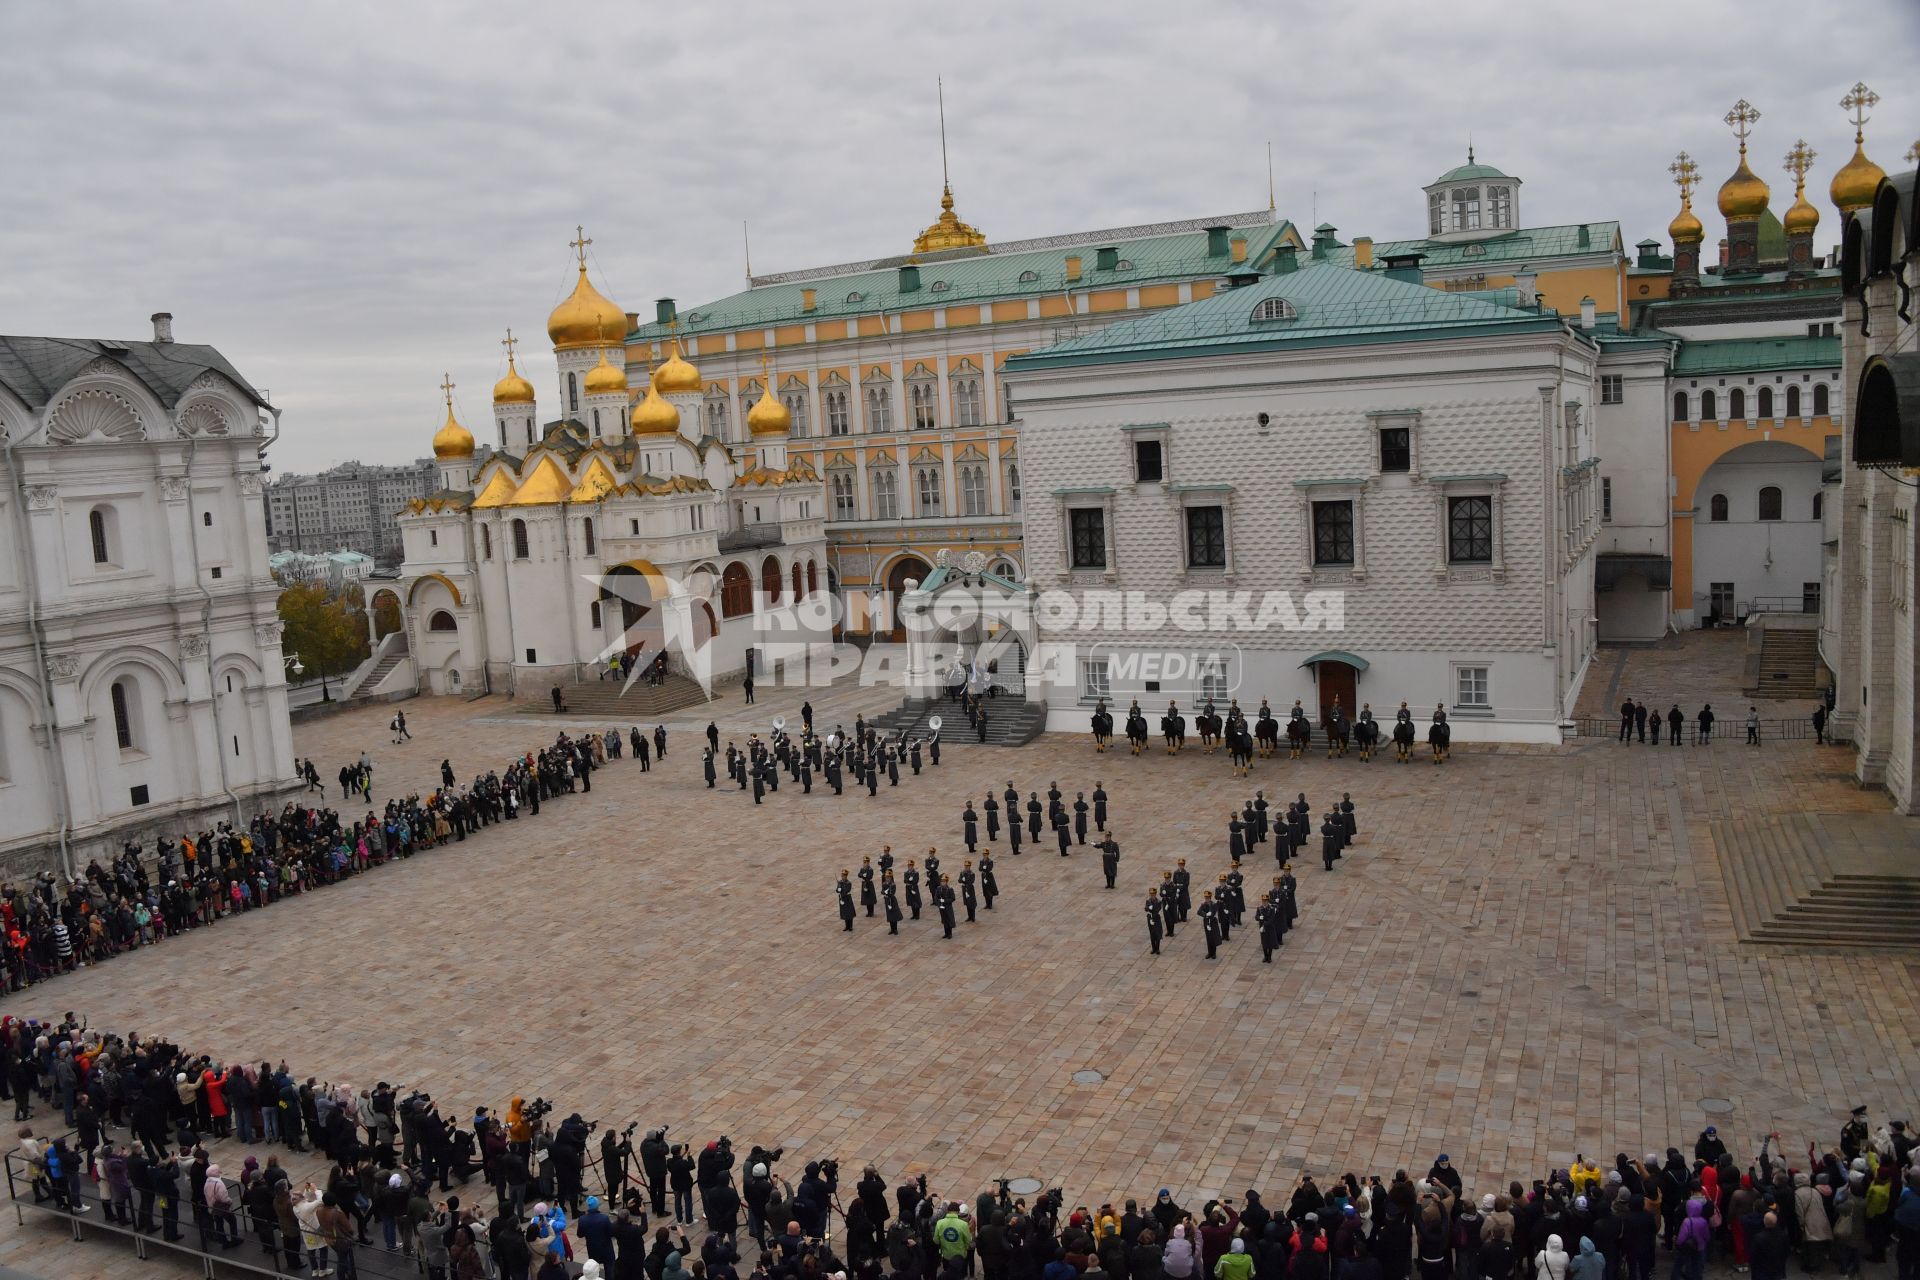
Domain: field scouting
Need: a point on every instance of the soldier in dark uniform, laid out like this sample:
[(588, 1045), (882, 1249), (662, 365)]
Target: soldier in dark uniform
[(989, 887), (944, 898), (1209, 921), (912, 880), (1099, 806), (913, 756), (1261, 828), (1236, 836), (893, 764), (759, 781), (706, 767), (1137, 738), (1222, 906), (1012, 798), (660, 741), (1266, 730), (1347, 819), (1102, 725), (1263, 917), (1013, 833), (844, 889), (1183, 887), (890, 894), (932, 862), (1153, 921), (1080, 808), (806, 774), (1203, 725), (868, 899), (1110, 858), (833, 772), (1289, 898), (886, 859), (872, 771), (1329, 841), (713, 736), (969, 896), (1053, 799), (1169, 901), (970, 822), (933, 747), (1033, 816), (1237, 885), (993, 817), (1853, 1135), (1367, 730), (1062, 830)]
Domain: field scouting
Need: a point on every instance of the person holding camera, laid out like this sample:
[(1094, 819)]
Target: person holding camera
[(679, 1172)]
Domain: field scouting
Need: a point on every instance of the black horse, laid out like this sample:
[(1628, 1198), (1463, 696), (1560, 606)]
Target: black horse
[(1403, 739)]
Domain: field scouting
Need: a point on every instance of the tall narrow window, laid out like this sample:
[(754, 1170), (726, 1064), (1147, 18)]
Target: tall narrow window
[(843, 496), (1766, 402), (121, 695), (97, 530), (1466, 208), (1707, 407), (879, 409), (926, 405), (1470, 530), (1717, 508), (1206, 538), (1396, 449), (973, 491), (1500, 205), (1679, 406), (1606, 499), (486, 542), (927, 486), (796, 404), (1087, 533), (966, 401), (573, 394), (1769, 502), (1793, 402), (1333, 533), (886, 493), (1819, 399), (586, 535), (1013, 488), (1737, 404), (836, 413), (519, 539)]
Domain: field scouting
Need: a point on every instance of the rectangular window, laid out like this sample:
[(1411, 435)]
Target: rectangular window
[(1396, 449), (214, 572), (928, 488), (122, 715), (138, 796), (1720, 599), (1147, 467), (1472, 687), (1612, 388), (1013, 489), (843, 497), (1470, 530), (1809, 597), (1087, 527), (1206, 538), (1213, 679), (1606, 499), (531, 658), (1333, 533), (1095, 678)]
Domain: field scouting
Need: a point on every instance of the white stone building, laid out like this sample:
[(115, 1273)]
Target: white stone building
[(619, 526), (142, 689), (1422, 457)]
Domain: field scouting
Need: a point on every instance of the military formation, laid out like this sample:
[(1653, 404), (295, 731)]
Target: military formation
[(1244, 744), (866, 756), (972, 890)]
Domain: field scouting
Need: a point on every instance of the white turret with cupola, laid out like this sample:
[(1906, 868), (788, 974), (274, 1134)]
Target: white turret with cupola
[(1472, 201)]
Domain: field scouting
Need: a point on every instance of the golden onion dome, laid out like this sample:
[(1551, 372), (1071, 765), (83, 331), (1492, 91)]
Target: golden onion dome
[(1853, 187), (512, 389), (676, 374), (606, 378), (654, 416), (586, 320), (452, 440), (1743, 195), (1685, 227), (1801, 216), (768, 417)]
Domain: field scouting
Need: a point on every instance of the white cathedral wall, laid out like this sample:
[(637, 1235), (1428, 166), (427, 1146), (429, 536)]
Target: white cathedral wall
[(1481, 412)]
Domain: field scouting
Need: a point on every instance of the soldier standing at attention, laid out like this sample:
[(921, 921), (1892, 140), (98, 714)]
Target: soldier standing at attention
[(706, 767), (845, 891), (969, 896), (944, 895), (1236, 836), (1329, 841), (989, 887), (993, 817), (912, 879), (932, 862), (1033, 816), (1223, 906), (1183, 888), (1099, 806), (890, 893), (1263, 916), (1110, 858), (1153, 921), (1169, 901), (1209, 920), (1080, 808), (971, 822), (868, 899)]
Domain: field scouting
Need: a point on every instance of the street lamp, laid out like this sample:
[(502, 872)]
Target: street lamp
[(296, 667)]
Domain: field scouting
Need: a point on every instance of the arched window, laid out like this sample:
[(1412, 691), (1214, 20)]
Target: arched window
[(1013, 488), (736, 591), (593, 614), (837, 421), (573, 394), (813, 580), (799, 583), (1466, 208), (1005, 569), (886, 493), (441, 620), (1274, 309), (1793, 402), (519, 539), (1737, 404), (879, 409), (843, 495), (1819, 505), (927, 489), (1029, 276), (486, 542), (966, 402), (717, 414), (1679, 406), (1770, 502), (586, 536), (100, 530), (1766, 402), (770, 579), (1717, 508), (1500, 206), (596, 424), (973, 491), (1819, 399), (1707, 407), (926, 405), (121, 694), (796, 403)]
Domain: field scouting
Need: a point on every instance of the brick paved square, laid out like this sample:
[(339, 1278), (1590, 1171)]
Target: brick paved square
[(1528, 954)]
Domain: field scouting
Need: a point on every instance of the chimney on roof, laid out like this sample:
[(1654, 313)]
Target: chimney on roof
[(1587, 311), (1405, 266), (1106, 258), (663, 311), (633, 321), (1523, 281), (163, 326), (1286, 259), (1237, 248), (1217, 241), (1585, 240), (806, 299), (909, 278), (1363, 252), (1073, 267)]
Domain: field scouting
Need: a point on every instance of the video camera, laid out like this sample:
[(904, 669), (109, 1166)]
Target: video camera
[(537, 1110)]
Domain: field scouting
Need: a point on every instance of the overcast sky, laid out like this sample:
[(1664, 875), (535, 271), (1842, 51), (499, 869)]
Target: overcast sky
[(350, 198)]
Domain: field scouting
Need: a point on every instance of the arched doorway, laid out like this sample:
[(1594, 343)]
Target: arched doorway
[(1755, 538), (1336, 674), (383, 613), (905, 568), (628, 613), (770, 580)]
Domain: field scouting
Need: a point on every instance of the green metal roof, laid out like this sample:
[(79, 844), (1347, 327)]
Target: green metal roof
[(1337, 655), (1330, 305), (1524, 245), (1753, 355), (977, 276), (1465, 172)]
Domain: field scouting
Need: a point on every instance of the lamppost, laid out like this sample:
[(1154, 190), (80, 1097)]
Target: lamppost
[(295, 667)]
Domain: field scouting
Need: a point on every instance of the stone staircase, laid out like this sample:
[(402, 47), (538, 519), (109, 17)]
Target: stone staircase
[(1012, 721), (1822, 880), (1789, 664), (604, 699)]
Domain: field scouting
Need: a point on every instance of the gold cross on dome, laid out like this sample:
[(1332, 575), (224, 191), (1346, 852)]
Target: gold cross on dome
[(579, 244), (1800, 158), (1685, 174), (1741, 120), (1858, 102), (510, 342), (446, 386)]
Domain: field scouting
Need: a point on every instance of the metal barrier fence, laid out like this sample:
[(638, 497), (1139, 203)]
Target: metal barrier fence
[(1732, 729), (30, 1193)]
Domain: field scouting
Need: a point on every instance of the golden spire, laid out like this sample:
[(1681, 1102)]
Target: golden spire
[(585, 320), (579, 244), (946, 231), (1859, 177), (1802, 216), (452, 440), (1685, 227), (768, 417), (1742, 196), (512, 389)]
